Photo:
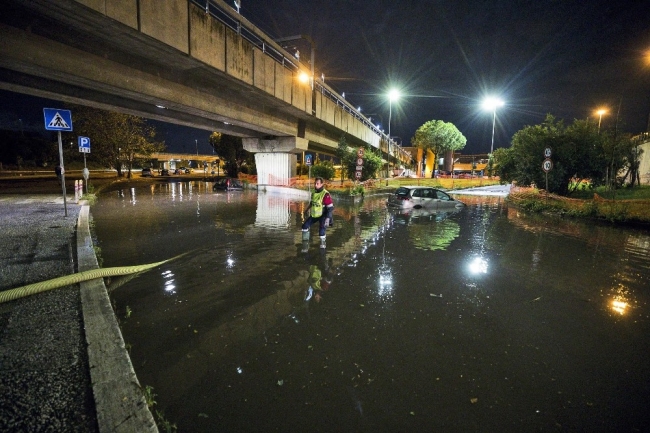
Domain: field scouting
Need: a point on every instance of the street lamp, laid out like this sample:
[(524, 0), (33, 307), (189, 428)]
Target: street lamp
[(393, 95), (491, 104), (196, 142), (600, 113)]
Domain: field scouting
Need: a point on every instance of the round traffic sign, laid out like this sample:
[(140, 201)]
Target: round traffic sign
[(547, 165), (360, 152), (547, 152), (359, 161)]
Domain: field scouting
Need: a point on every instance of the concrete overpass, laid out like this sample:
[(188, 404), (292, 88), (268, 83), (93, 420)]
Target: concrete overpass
[(194, 63)]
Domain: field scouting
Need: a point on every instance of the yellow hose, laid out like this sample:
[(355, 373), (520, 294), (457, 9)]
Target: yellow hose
[(32, 289)]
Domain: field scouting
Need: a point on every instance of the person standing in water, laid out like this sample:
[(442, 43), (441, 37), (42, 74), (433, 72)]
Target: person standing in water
[(320, 210)]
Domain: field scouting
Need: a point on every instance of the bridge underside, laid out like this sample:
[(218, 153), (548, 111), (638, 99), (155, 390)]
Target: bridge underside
[(168, 61)]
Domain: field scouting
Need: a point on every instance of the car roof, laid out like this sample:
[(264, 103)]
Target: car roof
[(417, 187)]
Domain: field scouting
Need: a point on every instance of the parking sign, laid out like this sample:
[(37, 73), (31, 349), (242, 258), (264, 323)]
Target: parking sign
[(84, 144)]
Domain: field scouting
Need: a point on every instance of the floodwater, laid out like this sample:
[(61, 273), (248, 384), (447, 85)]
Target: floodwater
[(479, 320)]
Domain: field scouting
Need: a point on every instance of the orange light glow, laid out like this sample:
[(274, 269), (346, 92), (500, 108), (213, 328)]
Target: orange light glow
[(619, 306), (303, 77)]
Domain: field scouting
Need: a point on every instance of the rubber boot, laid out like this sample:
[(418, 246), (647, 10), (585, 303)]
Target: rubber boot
[(322, 242), (305, 235), (305, 246)]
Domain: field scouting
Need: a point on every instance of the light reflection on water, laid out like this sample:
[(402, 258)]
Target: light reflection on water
[(399, 315)]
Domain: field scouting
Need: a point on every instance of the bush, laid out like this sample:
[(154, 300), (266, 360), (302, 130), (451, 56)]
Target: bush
[(324, 169), (358, 190)]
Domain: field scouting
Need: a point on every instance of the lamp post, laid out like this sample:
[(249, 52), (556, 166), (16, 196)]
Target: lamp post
[(393, 95), (491, 104), (600, 113), (196, 143)]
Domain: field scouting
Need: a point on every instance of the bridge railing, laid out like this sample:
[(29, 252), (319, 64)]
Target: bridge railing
[(224, 13)]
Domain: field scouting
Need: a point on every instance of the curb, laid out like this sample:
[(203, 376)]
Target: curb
[(119, 400)]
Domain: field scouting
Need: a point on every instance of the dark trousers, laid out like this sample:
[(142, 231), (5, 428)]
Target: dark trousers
[(311, 220)]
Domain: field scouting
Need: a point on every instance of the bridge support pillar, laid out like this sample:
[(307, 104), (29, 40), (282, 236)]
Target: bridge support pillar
[(275, 159)]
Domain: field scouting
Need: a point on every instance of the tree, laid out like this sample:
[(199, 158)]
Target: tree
[(577, 154), (438, 137), (116, 138), (371, 162), (231, 150), (620, 153), (324, 169), (634, 164), (341, 151)]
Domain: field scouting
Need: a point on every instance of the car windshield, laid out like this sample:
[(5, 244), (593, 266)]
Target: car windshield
[(402, 192)]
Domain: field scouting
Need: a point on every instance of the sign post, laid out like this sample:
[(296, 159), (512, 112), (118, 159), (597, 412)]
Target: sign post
[(308, 163), (359, 168), (547, 166), (59, 120), (84, 147)]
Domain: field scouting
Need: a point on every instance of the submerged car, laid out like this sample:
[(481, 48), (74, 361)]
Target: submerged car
[(164, 172), (417, 197), (146, 172), (228, 184), (421, 215)]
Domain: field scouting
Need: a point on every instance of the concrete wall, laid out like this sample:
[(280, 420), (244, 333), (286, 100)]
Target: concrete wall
[(123, 11), (207, 39), (166, 21)]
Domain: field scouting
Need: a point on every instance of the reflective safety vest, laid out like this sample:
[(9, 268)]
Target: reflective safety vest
[(314, 277), (317, 203)]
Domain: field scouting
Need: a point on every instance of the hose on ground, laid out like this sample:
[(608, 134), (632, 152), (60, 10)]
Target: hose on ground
[(43, 286)]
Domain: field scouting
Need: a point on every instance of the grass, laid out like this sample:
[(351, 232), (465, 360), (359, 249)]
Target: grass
[(630, 205), (637, 193), (443, 183), (394, 183)]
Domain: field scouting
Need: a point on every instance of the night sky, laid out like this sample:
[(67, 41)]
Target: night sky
[(562, 57)]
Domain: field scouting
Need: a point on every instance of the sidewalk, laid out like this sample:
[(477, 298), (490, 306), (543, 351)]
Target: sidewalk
[(49, 341)]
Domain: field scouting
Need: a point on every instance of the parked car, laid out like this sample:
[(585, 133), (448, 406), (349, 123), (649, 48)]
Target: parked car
[(164, 172), (407, 197), (146, 172), (228, 184), (187, 170)]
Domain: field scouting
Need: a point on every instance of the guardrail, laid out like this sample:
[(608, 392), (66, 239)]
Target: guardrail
[(224, 13)]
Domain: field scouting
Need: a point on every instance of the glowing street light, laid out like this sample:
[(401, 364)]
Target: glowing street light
[(393, 95), (491, 104), (303, 77), (600, 113)]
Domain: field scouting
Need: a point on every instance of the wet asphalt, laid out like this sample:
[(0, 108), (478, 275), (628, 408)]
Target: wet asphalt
[(44, 374)]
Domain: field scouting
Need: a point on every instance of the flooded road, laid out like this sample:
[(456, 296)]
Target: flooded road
[(478, 320)]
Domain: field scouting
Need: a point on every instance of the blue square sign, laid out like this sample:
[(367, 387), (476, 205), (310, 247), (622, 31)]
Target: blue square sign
[(57, 119), (84, 144)]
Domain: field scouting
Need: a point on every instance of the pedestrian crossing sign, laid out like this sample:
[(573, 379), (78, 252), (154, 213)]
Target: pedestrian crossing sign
[(57, 119)]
